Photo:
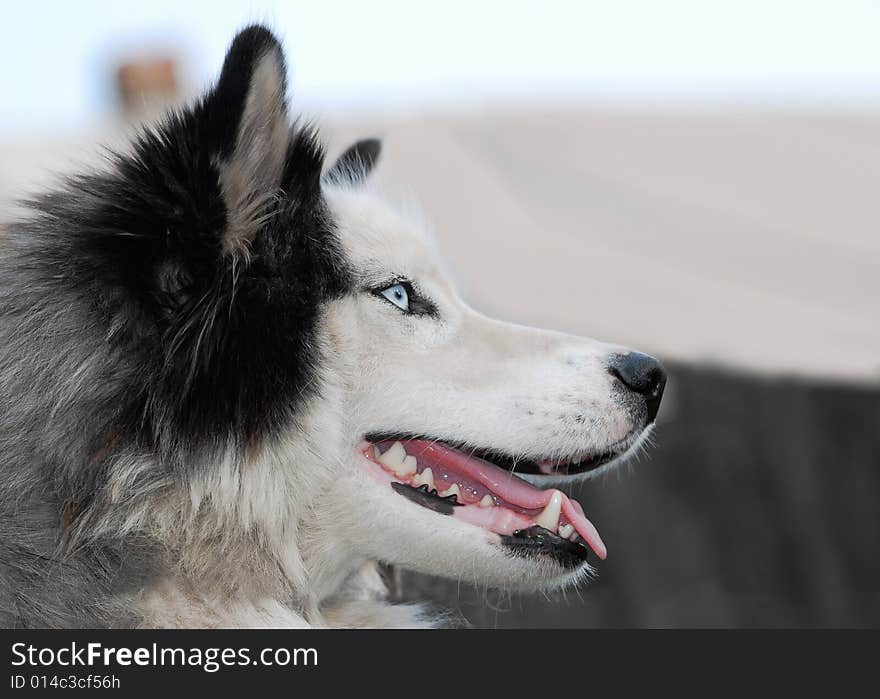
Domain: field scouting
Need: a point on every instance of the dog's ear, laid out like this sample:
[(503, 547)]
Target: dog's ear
[(229, 179), (356, 163), (247, 112)]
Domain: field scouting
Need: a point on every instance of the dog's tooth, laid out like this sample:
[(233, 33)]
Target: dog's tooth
[(565, 531), (393, 458), (409, 466), (426, 477), (452, 490), (487, 501), (549, 518), (377, 453)]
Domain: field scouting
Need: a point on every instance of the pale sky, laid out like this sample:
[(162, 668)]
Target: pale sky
[(385, 54)]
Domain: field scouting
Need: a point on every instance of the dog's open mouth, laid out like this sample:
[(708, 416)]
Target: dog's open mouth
[(470, 488), (553, 467)]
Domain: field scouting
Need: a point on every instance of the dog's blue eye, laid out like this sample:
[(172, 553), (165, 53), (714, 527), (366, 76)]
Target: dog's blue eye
[(396, 293)]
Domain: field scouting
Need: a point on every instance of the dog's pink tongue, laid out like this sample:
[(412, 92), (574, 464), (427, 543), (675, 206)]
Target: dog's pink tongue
[(574, 513), (506, 486)]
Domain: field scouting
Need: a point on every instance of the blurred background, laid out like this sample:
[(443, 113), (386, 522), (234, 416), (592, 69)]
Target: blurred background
[(695, 179)]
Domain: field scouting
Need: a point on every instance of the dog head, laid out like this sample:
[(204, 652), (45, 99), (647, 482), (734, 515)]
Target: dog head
[(277, 342), (443, 405)]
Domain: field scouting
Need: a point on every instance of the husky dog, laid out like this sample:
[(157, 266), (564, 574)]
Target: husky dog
[(232, 381)]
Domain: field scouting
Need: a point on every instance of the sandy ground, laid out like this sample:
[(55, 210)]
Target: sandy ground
[(749, 240)]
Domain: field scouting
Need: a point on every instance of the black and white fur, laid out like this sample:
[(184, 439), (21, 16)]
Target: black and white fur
[(191, 348)]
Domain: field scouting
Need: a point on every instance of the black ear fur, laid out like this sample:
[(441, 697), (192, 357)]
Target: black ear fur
[(250, 105), (211, 238), (226, 101), (204, 185), (356, 163)]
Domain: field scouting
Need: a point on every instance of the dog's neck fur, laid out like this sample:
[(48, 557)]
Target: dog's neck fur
[(255, 552)]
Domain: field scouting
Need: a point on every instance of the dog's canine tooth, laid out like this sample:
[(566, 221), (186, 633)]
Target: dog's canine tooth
[(549, 517), (409, 466), (394, 457), (377, 453), (426, 477), (487, 501), (565, 530), (452, 490)]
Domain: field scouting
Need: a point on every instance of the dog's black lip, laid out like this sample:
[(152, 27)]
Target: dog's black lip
[(427, 498), (500, 459), (534, 541), (537, 541)]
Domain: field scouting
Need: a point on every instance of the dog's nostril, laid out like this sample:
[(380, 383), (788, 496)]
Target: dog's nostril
[(641, 374)]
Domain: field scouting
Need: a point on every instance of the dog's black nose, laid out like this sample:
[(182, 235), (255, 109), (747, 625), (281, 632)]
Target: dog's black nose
[(641, 374)]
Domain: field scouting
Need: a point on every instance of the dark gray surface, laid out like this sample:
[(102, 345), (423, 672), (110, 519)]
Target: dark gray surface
[(758, 507)]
